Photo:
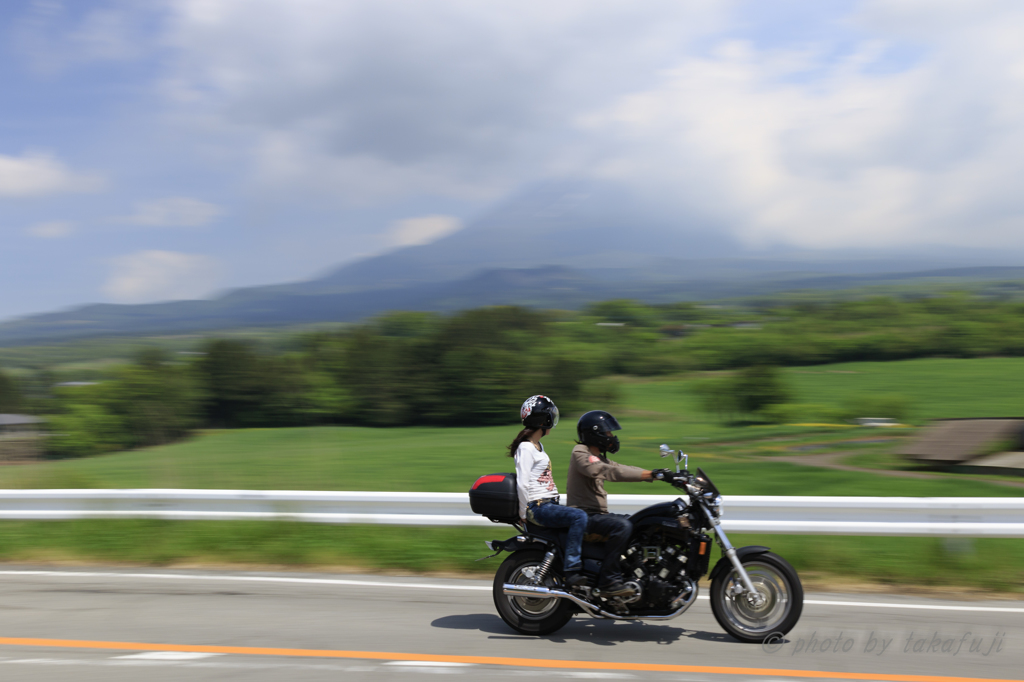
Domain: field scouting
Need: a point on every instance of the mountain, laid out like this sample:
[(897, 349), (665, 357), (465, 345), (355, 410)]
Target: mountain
[(582, 225), (557, 245)]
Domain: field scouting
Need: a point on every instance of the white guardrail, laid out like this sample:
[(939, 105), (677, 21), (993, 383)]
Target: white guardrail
[(910, 516)]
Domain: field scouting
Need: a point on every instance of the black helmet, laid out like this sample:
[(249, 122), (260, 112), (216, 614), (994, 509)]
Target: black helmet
[(594, 428), (539, 412)]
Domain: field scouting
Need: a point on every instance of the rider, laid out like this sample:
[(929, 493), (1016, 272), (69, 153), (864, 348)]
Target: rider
[(538, 496), (588, 469)]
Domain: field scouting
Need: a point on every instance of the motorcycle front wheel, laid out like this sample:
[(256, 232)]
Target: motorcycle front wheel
[(776, 581), (528, 615)]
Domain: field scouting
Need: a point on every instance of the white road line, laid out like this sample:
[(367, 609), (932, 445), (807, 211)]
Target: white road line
[(444, 586), (930, 607), (246, 578)]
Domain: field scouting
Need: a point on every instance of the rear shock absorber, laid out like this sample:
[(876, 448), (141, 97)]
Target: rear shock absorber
[(545, 566)]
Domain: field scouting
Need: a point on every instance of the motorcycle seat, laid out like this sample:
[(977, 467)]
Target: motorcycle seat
[(590, 550)]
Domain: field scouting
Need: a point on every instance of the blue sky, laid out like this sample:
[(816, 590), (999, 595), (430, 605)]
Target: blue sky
[(160, 150)]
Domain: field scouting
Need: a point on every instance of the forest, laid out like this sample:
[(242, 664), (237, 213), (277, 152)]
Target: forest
[(474, 368)]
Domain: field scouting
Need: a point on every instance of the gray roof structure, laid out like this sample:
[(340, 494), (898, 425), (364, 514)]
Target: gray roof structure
[(18, 420), (958, 441)]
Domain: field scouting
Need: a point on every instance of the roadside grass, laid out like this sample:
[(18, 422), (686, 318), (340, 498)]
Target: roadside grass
[(986, 564)]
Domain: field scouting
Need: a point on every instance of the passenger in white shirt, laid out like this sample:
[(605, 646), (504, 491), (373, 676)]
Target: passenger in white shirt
[(538, 495)]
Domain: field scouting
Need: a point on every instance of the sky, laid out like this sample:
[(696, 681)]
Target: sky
[(164, 149)]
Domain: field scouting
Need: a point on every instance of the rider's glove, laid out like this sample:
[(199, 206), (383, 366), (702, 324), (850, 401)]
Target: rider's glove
[(666, 475)]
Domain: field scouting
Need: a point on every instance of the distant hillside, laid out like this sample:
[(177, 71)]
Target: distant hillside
[(557, 245), (546, 287)]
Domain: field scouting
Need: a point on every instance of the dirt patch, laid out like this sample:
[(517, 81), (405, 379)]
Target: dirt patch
[(831, 460)]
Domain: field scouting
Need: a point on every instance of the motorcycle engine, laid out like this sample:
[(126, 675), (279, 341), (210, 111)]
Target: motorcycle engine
[(661, 571)]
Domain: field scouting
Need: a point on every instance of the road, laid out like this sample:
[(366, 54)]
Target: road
[(111, 625)]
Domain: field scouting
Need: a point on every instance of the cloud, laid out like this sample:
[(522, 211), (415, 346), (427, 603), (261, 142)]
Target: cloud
[(54, 229), (423, 230), (807, 148), (866, 123), (173, 212), (399, 97), (38, 175), (881, 123), (148, 276)]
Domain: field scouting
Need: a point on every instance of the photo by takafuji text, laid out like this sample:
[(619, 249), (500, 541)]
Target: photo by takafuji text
[(880, 643)]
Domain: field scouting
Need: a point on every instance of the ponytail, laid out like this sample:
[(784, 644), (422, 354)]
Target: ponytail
[(523, 435)]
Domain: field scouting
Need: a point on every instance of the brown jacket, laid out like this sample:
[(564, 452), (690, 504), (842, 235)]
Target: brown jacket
[(587, 473)]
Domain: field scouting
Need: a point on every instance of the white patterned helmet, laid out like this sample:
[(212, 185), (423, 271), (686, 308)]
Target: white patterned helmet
[(539, 412)]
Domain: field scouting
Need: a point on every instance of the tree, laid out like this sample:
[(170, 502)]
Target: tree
[(148, 403), (716, 397), (10, 395), (233, 383), (757, 387), (84, 429), (751, 391), (156, 402)]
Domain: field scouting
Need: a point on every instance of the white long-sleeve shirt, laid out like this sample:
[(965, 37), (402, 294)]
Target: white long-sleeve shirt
[(533, 475)]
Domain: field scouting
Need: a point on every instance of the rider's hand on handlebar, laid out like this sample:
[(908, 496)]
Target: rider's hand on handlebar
[(666, 475)]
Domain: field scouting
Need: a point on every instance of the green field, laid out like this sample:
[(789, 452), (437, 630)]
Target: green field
[(742, 461), (441, 460), (653, 411), (937, 388)]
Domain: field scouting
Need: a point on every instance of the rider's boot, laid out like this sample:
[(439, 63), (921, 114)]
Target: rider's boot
[(617, 588), (575, 579)]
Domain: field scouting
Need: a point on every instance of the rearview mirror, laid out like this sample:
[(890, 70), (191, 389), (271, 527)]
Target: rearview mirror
[(665, 451)]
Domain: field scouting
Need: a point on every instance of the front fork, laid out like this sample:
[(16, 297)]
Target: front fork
[(755, 598)]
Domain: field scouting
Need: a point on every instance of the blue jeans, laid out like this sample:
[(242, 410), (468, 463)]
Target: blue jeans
[(551, 515)]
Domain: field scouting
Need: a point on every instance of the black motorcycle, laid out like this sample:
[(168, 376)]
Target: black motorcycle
[(754, 593)]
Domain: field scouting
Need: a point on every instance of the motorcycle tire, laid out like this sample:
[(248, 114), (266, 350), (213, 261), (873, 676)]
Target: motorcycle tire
[(776, 581), (527, 615)]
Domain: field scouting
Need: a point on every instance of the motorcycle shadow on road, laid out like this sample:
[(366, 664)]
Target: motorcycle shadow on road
[(596, 632)]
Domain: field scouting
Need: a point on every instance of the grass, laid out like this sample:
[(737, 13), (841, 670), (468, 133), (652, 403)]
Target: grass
[(741, 460), (989, 564), (653, 411), (938, 388), (438, 460)]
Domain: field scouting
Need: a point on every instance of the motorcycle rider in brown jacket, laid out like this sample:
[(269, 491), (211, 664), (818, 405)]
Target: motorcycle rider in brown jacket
[(589, 467)]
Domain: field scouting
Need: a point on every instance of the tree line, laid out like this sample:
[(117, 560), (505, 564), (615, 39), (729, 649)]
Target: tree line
[(475, 367), (470, 369)]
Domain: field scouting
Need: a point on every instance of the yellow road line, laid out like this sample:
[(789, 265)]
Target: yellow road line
[(478, 660)]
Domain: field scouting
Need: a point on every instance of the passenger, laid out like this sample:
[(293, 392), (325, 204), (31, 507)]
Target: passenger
[(538, 495)]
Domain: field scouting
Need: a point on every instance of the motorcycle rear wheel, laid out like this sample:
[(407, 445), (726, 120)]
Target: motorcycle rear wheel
[(783, 594), (527, 615)]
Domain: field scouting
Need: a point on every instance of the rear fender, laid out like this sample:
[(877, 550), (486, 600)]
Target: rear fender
[(725, 565), (514, 544)]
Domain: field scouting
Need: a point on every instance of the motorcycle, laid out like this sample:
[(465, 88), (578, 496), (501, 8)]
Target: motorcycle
[(754, 593)]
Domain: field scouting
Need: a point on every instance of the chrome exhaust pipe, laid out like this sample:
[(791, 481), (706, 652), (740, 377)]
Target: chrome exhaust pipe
[(538, 592)]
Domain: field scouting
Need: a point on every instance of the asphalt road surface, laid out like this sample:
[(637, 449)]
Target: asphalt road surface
[(114, 625)]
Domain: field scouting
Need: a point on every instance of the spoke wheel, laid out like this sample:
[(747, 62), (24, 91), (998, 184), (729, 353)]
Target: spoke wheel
[(778, 608), (529, 615)]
